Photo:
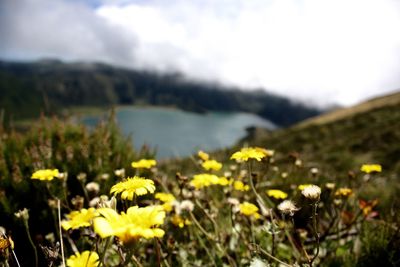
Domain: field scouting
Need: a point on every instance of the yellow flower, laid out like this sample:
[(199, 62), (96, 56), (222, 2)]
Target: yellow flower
[(303, 186), (240, 186), (168, 199), (77, 219), (368, 168), (247, 153), (224, 181), (202, 155), (211, 165), (144, 163), (203, 180), (343, 192), (249, 210), (277, 194), (133, 186), (179, 221), (165, 197), (128, 227), (45, 175), (84, 259)]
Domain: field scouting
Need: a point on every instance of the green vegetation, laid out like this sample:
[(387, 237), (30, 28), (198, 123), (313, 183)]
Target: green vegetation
[(222, 209), (51, 87)]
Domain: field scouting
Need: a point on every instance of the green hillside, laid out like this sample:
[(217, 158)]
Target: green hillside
[(26, 89), (345, 138)]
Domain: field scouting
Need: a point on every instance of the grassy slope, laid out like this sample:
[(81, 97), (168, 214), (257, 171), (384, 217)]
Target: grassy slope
[(343, 113), (344, 139)]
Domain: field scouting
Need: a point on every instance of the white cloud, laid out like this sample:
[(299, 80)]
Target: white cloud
[(325, 51), (33, 29)]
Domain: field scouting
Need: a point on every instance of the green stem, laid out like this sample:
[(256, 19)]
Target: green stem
[(316, 234), (253, 238), (130, 256), (272, 257), (205, 248), (273, 233), (216, 231), (60, 231), (103, 254), (260, 200), (196, 222), (31, 242)]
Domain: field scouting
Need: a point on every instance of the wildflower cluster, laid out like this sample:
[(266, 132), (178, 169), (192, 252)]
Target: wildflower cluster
[(247, 208)]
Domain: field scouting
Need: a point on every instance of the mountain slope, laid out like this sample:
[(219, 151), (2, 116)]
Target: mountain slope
[(342, 113), (343, 140), (51, 86)]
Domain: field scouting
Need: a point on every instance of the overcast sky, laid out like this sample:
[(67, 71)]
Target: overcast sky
[(339, 51)]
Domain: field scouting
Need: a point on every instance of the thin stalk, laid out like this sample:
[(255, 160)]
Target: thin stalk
[(260, 200), (205, 248), (15, 257), (60, 231), (253, 238), (196, 222), (288, 235), (103, 254), (72, 244), (272, 257), (130, 256), (31, 242), (158, 252), (136, 261), (85, 193), (273, 233), (216, 230), (12, 251), (316, 234), (300, 243)]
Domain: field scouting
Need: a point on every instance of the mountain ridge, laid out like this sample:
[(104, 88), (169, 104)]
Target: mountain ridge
[(50, 85)]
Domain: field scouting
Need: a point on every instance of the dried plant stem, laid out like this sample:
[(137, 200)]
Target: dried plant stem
[(12, 251), (158, 251), (15, 257), (60, 230)]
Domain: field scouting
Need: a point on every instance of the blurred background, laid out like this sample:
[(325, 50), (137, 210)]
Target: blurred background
[(213, 68)]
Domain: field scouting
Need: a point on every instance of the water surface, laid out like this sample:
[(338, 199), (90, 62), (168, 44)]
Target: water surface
[(177, 133)]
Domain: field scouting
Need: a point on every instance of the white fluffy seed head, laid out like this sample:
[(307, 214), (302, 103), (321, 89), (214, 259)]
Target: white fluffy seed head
[(312, 192), (93, 187), (287, 207), (185, 205)]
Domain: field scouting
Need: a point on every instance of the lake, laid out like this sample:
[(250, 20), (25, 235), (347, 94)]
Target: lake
[(177, 133)]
